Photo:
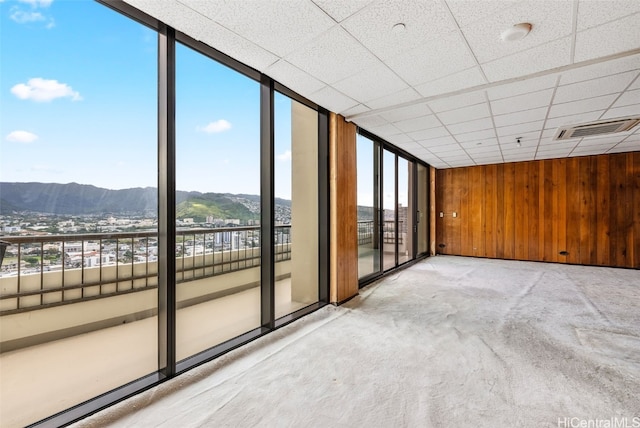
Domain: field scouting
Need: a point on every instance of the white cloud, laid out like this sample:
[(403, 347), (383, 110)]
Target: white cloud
[(286, 156), (217, 126), (38, 3), (21, 17), (21, 137), (42, 90)]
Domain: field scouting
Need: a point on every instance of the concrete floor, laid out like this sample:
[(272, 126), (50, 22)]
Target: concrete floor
[(447, 342)]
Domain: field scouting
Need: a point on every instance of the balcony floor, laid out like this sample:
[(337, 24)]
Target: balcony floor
[(449, 341)]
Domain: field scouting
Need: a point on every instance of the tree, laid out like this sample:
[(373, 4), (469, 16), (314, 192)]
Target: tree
[(32, 261)]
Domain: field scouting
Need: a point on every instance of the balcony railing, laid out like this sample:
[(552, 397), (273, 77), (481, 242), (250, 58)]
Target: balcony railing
[(365, 232), (50, 270)]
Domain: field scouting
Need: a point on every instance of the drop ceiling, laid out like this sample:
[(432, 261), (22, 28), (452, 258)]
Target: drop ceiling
[(447, 89)]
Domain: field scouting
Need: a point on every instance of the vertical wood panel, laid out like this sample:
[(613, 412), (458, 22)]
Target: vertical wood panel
[(586, 206), (432, 211), (573, 210), (343, 209)]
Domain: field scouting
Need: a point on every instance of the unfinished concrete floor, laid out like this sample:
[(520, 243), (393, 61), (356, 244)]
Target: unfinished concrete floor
[(447, 342)]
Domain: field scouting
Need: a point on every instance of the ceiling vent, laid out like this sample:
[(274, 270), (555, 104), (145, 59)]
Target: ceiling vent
[(592, 129)]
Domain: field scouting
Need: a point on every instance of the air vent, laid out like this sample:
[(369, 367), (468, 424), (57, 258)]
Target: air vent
[(603, 127)]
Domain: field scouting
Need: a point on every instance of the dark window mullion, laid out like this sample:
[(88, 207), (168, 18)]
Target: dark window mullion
[(267, 229)]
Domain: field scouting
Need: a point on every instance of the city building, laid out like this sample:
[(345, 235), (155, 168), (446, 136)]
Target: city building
[(482, 145)]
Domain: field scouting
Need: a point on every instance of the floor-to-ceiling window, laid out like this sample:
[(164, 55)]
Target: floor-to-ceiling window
[(392, 207), (106, 287), (296, 205), (217, 202), (79, 162)]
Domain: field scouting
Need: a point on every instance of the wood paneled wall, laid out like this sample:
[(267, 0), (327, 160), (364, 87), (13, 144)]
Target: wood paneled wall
[(343, 209), (583, 210)]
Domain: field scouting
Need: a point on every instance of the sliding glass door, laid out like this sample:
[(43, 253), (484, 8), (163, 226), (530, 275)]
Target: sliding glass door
[(392, 208)]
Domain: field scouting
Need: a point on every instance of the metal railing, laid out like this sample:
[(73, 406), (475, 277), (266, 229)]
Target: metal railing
[(41, 271), (389, 236)]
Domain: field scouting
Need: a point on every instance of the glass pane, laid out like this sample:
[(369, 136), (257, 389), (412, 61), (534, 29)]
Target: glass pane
[(296, 205), (389, 209), (79, 167), (368, 227), (218, 203), (405, 210), (423, 209)]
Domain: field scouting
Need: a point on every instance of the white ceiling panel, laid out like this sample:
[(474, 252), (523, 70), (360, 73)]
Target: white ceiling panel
[(333, 56), (545, 57), (522, 102), (296, 79), (582, 106), (595, 87), (453, 82), (433, 60), (628, 98), (593, 13), (424, 21), (471, 126), (400, 97), (418, 123), (551, 20), (340, 11), (524, 116), (613, 37), (371, 83), (279, 27), (477, 111), (449, 67)]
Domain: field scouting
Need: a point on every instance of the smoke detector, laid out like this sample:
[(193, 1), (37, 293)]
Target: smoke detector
[(602, 127)]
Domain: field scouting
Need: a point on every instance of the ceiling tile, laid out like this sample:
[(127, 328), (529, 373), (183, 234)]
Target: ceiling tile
[(617, 36), (521, 117), (340, 11), (470, 11), (457, 101), (488, 161), (601, 69), (404, 113), (522, 87), (519, 129), (489, 142), (412, 145), (471, 126), (636, 84), (448, 150), (483, 151), (575, 119), (625, 147), (582, 106), (525, 137), (628, 98), (439, 141), (426, 134), (418, 123), (594, 88), (454, 82), (476, 136), (371, 83), (432, 60), (385, 130), (296, 79), (522, 102), (424, 21), (355, 110), (333, 100), (592, 13), (403, 96), (399, 139), (323, 60), (477, 111), (552, 155), (540, 58), (370, 121), (630, 110), (278, 26), (551, 21), (599, 141)]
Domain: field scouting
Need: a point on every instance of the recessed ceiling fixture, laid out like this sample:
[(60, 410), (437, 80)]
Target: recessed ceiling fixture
[(517, 32), (399, 28)]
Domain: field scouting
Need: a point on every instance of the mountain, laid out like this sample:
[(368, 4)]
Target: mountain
[(83, 199)]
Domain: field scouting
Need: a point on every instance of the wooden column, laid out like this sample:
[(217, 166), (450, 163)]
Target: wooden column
[(432, 211), (343, 210)]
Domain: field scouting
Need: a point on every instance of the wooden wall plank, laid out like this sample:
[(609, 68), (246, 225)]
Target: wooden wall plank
[(586, 206), (343, 210)]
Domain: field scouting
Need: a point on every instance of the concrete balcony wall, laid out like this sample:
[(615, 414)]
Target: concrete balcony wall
[(42, 325)]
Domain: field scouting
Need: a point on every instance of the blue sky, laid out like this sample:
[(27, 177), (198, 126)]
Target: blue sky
[(78, 104)]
